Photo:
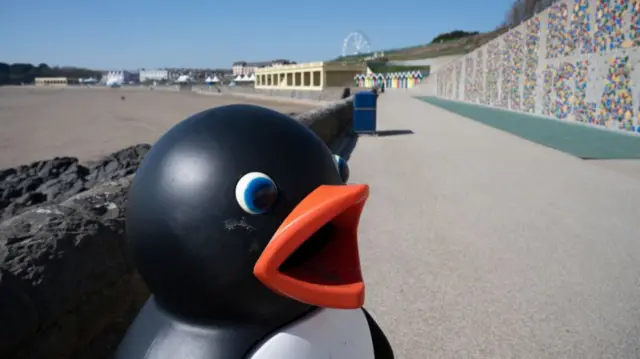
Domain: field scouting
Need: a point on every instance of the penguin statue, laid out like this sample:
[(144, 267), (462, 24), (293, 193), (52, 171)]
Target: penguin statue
[(241, 224)]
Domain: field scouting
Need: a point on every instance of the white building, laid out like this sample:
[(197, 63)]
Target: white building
[(118, 77), (113, 77), (153, 75)]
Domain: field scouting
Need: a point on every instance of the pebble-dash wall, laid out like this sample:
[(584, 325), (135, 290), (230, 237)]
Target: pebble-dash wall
[(576, 61)]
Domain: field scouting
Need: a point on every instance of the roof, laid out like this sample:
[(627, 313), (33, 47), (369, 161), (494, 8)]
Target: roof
[(183, 79), (260, 63)]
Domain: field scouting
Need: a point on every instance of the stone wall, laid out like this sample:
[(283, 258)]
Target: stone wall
[(67, 286), (576, 61), (327, 95)]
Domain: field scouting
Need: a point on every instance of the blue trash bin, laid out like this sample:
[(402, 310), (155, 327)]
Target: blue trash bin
[(364, 112)]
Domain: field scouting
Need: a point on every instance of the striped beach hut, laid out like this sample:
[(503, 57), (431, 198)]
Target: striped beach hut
[(388, 81), (412, 79), (396, 77), (368, 80), (377, 80), (403, 80)]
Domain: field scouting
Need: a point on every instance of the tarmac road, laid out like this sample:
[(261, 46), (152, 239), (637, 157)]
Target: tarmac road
[(479, 244)]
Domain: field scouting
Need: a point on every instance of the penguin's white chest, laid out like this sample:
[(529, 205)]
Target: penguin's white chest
[(326, 333)]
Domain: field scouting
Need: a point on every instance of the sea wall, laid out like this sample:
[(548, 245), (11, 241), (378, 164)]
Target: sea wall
[(67, 286), (329, 94), (576, 61)]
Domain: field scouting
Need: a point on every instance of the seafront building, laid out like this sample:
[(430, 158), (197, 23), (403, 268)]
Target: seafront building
[(312, 76), (153, 75)]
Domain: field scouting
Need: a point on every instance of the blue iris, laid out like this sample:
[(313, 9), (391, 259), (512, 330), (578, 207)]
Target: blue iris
[(256, 193)]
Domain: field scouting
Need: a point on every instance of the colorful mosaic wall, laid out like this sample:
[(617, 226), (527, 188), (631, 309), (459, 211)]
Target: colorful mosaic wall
[(576, 61)]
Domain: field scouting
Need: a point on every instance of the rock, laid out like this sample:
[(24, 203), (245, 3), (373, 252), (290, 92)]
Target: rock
[(55, 180), (65, 280)]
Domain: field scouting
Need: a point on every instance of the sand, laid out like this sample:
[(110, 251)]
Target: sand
[(42, 123)]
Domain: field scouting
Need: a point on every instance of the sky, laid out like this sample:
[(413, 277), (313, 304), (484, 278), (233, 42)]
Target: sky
[(118, 34)]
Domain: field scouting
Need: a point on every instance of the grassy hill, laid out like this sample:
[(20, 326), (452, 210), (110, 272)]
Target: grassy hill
[(426, 51)]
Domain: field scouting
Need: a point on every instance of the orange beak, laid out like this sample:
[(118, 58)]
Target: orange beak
[(313, 256)]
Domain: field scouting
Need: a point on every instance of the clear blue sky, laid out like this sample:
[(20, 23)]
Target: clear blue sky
[(118, 34)]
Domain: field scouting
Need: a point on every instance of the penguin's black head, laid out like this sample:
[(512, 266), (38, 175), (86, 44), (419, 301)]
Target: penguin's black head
[(241, 213)]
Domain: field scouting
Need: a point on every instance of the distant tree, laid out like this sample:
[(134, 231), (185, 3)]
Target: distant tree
[(453, 35), (4, 73), (523, 10), (15, 74)]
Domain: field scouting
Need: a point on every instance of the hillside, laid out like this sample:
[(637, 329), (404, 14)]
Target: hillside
[(426, 51)]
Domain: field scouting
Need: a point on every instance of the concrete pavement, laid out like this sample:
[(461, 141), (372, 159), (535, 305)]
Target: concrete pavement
[(479, 244)]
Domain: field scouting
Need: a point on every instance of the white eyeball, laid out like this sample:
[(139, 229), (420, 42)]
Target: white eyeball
[(256, 193)]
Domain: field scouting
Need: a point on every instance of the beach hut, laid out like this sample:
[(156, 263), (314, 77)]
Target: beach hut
[(396, 80), (215, 80), (416, 78), (388, 81), (208, 80), (419, 77), (403, 80), (361, 80), (411, 78), (368, 81), (380, 80)]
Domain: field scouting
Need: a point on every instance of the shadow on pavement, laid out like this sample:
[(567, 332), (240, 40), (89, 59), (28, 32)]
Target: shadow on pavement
[(384, 133), (345, 145)]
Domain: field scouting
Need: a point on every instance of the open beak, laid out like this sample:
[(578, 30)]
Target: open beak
[(313, 256)]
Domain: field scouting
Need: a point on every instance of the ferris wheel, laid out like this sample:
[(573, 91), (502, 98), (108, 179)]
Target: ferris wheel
[(356, 43)]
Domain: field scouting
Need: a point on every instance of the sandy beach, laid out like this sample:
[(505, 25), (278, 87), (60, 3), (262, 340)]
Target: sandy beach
[(42, 123)]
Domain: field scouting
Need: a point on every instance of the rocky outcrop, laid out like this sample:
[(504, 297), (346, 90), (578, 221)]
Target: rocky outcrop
[(67, 286), (60, 178)]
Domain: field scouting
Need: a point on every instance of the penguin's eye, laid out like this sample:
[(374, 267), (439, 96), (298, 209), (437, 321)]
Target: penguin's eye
[(256, 193), (343, 168)]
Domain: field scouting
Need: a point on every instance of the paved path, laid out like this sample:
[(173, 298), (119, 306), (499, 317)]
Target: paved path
[(478, 244)]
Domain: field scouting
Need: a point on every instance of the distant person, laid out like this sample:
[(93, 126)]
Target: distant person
[(346, 93)]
